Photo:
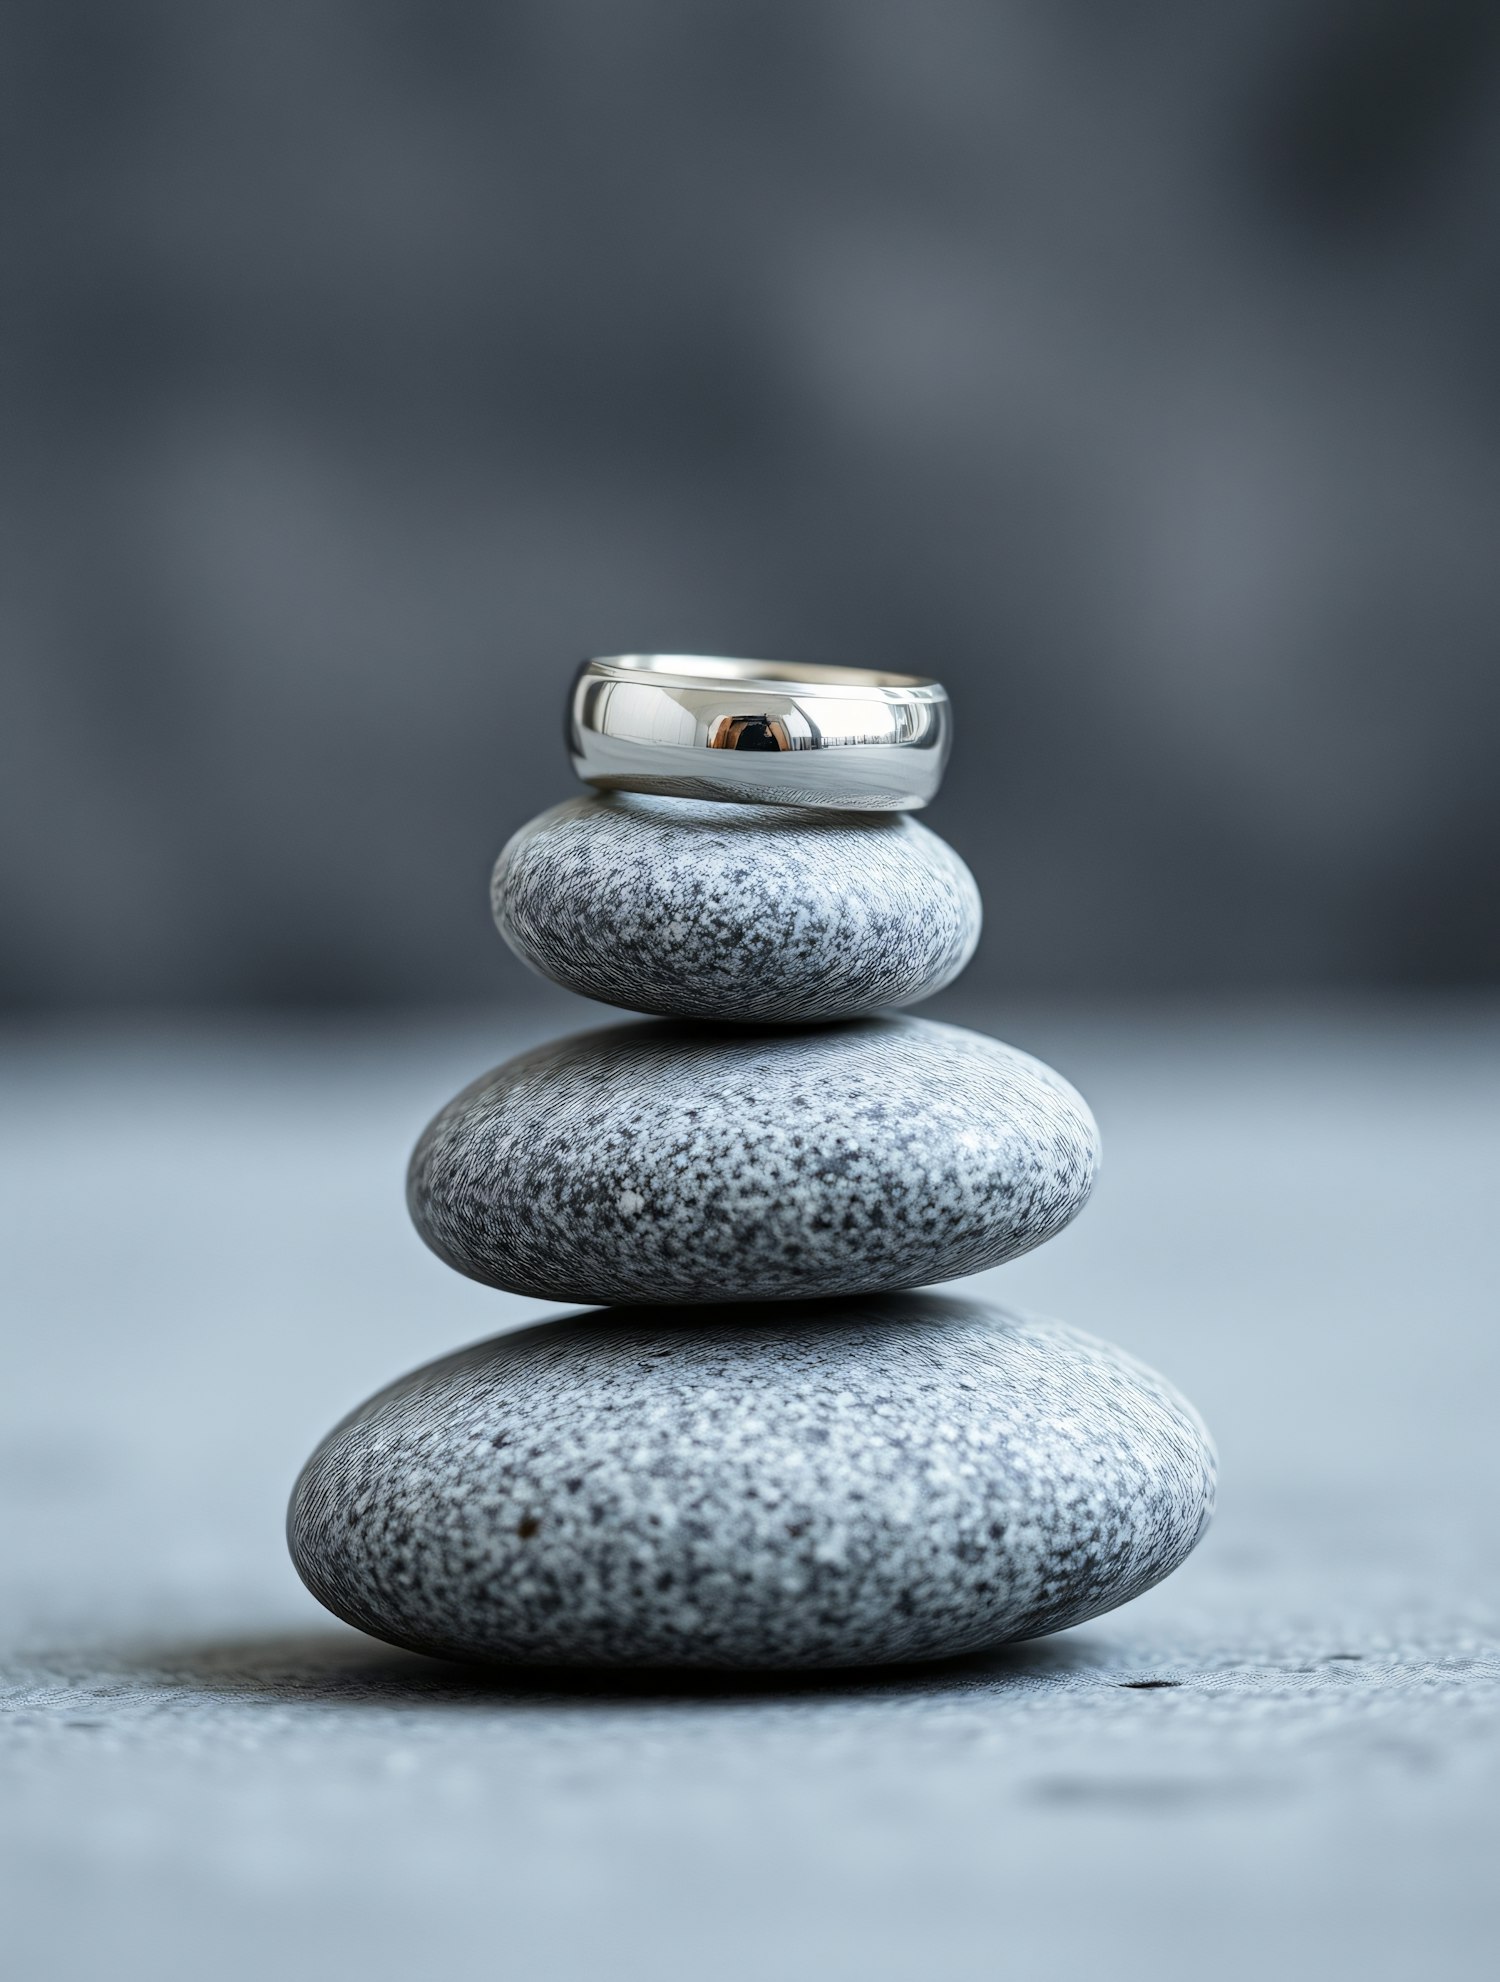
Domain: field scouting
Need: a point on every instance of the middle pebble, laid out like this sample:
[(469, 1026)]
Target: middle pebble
[(662, 1162), (758, 913)]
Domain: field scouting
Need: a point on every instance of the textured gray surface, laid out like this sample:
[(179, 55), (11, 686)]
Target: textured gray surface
[(752, 912), (206, 1263), (803, 1486), (667, 1162)]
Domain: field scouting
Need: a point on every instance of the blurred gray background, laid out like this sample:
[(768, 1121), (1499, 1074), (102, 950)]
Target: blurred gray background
[(369, 361), (366, 363)]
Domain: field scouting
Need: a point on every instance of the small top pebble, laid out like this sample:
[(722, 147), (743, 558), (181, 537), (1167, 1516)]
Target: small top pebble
[(755, 913)]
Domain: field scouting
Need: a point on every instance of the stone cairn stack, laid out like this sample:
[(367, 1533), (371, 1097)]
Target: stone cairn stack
[(761, 1449)]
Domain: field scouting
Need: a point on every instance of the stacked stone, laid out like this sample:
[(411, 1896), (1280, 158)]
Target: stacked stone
[(763, 1449)]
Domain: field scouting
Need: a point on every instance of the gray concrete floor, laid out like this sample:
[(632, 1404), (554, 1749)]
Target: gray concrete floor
[(1282, 1761)]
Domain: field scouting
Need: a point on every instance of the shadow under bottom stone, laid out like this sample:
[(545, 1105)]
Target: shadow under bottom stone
[(329, 1668)]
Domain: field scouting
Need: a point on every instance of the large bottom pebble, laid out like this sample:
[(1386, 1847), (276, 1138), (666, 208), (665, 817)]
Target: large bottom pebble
[(840, 1484)]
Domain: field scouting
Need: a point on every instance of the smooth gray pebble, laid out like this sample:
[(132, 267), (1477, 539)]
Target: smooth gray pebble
[(837, 1485), (750, 913), (665, 1162)]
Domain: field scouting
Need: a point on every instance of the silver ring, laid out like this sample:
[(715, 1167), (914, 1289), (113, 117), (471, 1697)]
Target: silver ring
[(759, 732)]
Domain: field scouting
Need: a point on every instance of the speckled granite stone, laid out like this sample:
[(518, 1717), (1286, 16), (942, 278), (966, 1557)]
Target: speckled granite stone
[(742, 912), (667, 1162), (843, 1484)]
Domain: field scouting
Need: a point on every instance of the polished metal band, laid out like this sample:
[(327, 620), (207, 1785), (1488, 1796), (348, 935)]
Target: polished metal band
[(759, 732)]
